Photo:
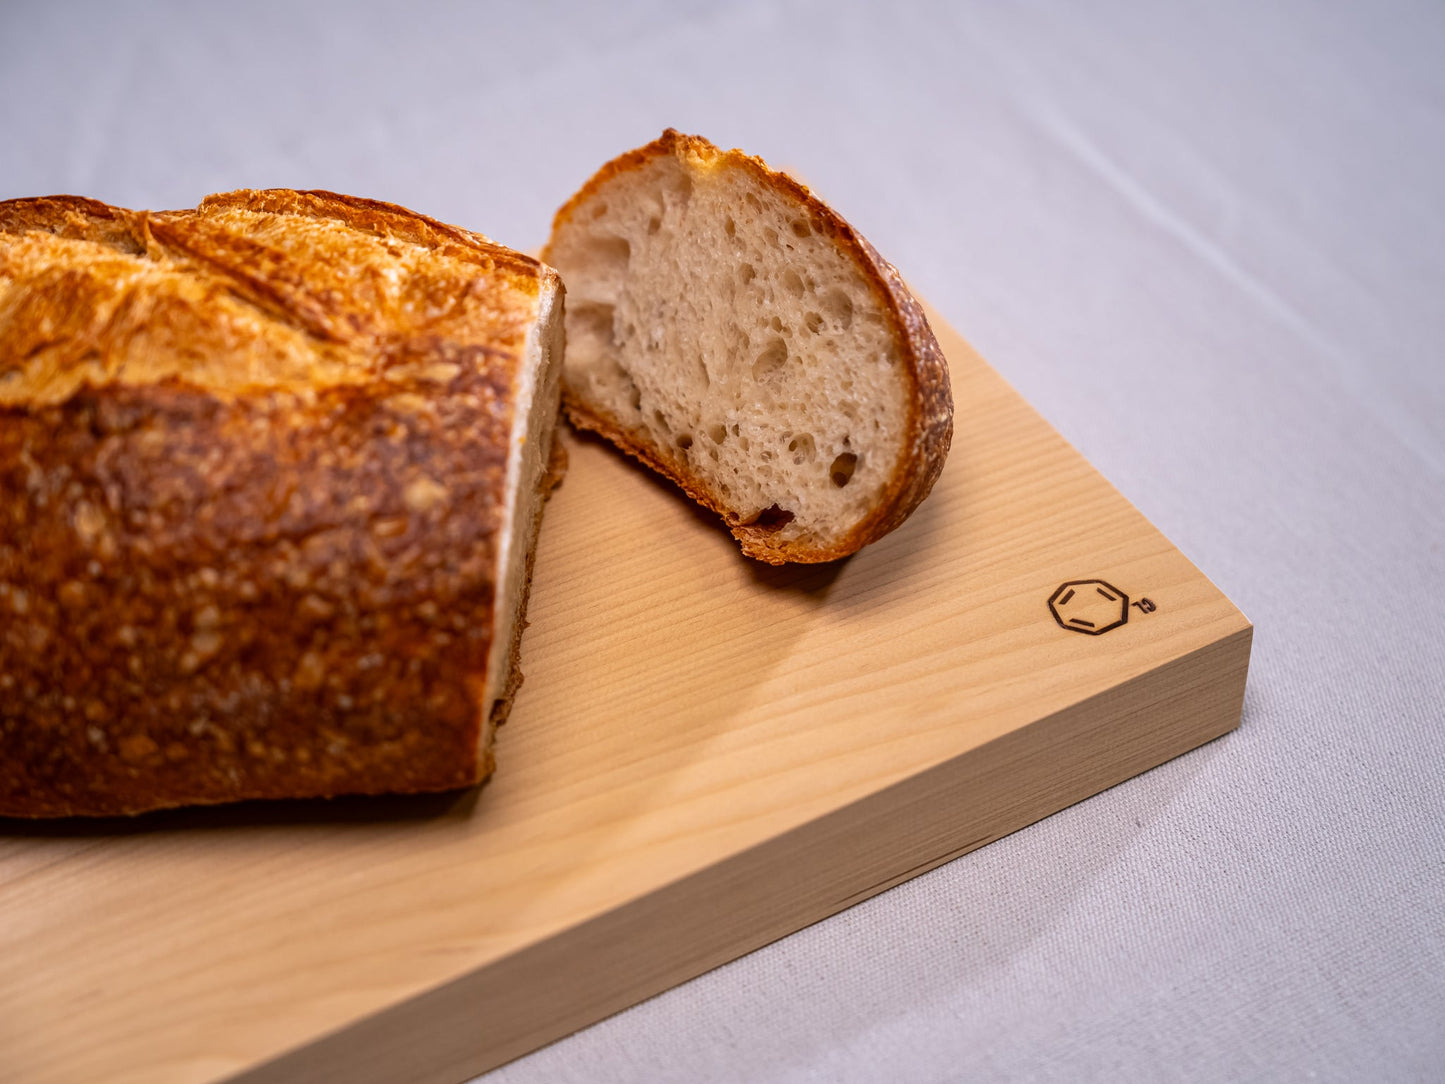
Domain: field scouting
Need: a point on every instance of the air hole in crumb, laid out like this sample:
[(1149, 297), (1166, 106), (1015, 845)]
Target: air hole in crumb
[(771, 359), (773, 517), (608, 249), (753, 202), (657, 417), (654, 224), (776, 323), (684, 441), (813, 321), (746, 273), (839, 306), (624, 378), (730, 227), (772, 236), (590, 325), (800, 228), (842, 469), (792, 281), (719, 433), (599, 210), (803, 448)]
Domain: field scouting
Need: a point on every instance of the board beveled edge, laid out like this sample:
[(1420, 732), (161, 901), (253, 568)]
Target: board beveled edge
[(599, 967)]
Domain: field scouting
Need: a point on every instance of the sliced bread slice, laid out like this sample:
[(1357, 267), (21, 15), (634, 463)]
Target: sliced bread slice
[(731, 331)]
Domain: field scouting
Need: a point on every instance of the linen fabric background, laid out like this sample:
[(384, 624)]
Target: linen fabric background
[(1206, 240)]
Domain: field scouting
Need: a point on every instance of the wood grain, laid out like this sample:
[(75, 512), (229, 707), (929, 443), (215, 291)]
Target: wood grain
[(708, 754)]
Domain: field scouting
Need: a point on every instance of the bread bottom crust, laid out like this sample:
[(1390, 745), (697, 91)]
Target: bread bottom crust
[(757, 539)]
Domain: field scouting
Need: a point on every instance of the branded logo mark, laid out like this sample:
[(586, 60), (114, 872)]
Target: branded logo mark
[(1092, 607)]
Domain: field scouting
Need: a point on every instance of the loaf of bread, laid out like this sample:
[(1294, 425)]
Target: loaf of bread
[(731, 331), (271, 473)]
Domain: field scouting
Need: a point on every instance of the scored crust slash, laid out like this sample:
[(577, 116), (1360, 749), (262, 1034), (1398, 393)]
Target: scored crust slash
[(271, 474)]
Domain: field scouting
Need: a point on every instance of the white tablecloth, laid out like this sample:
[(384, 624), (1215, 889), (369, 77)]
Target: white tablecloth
[(1207, 241)]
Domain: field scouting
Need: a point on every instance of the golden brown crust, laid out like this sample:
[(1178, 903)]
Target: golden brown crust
[(929, 429), (257, 562), (301, 290)]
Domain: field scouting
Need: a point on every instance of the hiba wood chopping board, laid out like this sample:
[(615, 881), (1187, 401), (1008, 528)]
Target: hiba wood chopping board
[(707, 754)]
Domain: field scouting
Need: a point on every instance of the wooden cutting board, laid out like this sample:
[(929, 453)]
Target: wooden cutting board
[(707, 754)]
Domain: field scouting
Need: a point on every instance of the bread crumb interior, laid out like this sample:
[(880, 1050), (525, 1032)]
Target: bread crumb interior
[(716, 321)]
